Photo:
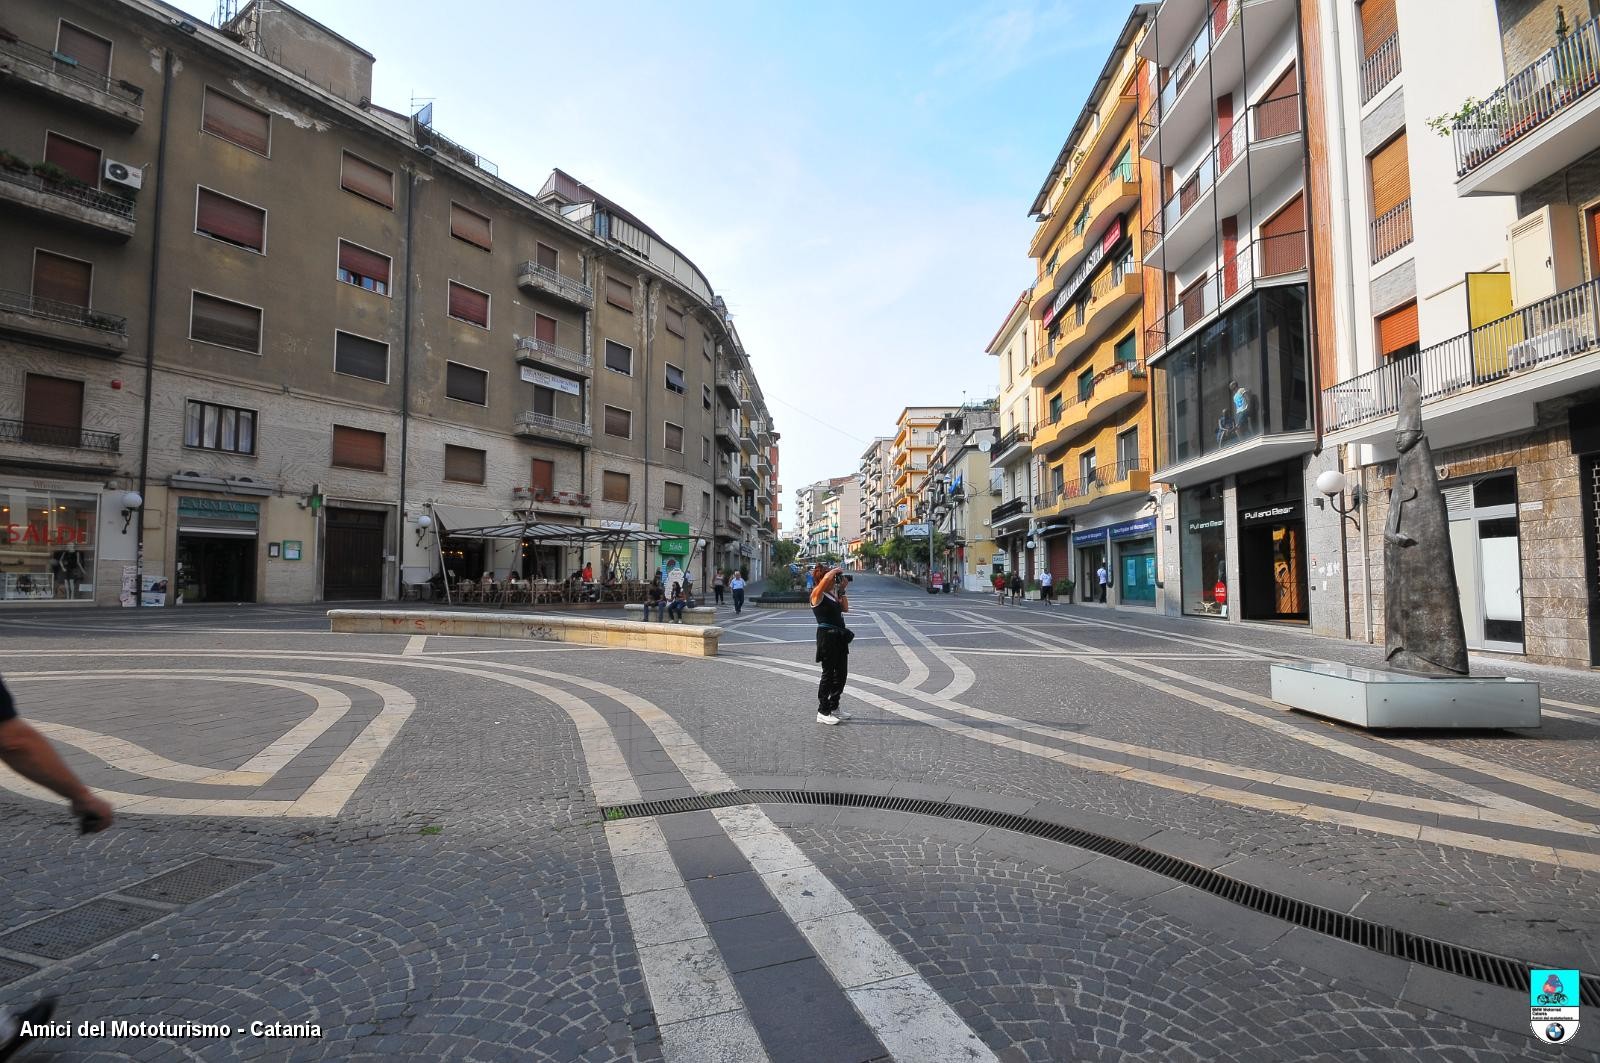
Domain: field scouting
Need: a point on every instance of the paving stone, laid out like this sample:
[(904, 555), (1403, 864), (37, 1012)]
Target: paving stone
[(708, 856), (802, 1015), (731, 896), (763, 940)]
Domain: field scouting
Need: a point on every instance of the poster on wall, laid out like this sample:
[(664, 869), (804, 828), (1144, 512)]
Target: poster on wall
[(153, 588)]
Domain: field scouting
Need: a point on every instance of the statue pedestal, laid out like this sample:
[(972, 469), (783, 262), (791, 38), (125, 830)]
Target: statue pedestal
[(1371, 698)]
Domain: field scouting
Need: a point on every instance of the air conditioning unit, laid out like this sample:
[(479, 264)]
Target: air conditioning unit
[(120, 173)]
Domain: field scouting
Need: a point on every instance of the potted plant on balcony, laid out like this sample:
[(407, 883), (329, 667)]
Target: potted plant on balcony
[(13, 162), (49, 172)]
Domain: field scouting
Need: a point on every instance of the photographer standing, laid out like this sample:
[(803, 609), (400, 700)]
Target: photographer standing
[(829, 604)]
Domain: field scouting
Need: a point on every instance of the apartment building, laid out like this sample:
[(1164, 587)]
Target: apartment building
[(916, 435), (877, 501), (963, 487), (268, 341), (1013, 346), (1229, 334), (1507, 217), (1093, 443), (836, 522)]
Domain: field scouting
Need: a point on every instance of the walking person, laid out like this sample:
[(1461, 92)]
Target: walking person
[(1000, 587), (829, 603), (1016, 586), (719, 585), (1104, 578), (736, 585), (1046, 587)]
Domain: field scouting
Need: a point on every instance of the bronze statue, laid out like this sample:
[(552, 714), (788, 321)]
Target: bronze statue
[(1424, 634)]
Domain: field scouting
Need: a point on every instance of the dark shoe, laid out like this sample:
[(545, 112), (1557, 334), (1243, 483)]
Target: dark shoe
[(11, 1038)]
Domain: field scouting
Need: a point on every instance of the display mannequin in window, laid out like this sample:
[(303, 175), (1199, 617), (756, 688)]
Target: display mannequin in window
[(66, 565)]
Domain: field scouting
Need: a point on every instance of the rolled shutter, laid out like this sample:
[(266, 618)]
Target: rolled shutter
[(544, 328), (547, 256), (52, 401), (65, 280), (363, 263), (357, 448), (619, 293), (466, 383), (367, 180), (78, 160), (91, 52), (1377, 25), (470, 226), (226, 323), (618, 422), (469, 305), (231, 220), (240, 123), (615, 486), (359, 356), (1391, 177), (1397, 329), (463, 464), (544, 475)]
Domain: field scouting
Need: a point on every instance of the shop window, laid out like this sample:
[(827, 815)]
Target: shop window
[(1203, 550), (47, 544)]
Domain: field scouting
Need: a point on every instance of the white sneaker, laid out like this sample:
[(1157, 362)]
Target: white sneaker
[(831, 721), (843, 715)]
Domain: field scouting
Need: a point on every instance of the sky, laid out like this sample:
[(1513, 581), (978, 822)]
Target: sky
[(853, 178)]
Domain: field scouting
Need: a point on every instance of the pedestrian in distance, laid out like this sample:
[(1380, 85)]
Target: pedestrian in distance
[(829, 603), (1000, 587), (1104, 578), (1046, 587), (719, 585), (676, 604), (1016, 586), (736, 585), (28, 753)]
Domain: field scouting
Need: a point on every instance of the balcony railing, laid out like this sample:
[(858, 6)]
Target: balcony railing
[(1006, 510), (574, 290), (546, 349), (1183, 68), (1018, 435), (1550, 330), (1542, 90), (544, 422), (1046, 499), (67, 313), (1218, 161), (1262, 259), (1277, 117), (1380, 68), (1100, 479), (52, 435), (1392, 231), (67, 67), (93, 198)]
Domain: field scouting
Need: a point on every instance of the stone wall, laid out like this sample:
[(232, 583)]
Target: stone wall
[(1528, 28)]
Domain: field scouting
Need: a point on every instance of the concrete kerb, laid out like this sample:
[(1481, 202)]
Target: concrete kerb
[(704, 612), (689, 640)]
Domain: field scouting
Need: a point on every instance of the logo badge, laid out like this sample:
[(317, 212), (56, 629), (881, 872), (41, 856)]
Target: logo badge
[(1553, 1005)]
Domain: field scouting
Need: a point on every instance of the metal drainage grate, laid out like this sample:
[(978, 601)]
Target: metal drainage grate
[(11, 970), (194, 881), (1487, 967), (76, 929)]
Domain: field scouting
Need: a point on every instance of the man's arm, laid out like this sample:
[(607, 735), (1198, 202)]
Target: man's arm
[(26, 752)]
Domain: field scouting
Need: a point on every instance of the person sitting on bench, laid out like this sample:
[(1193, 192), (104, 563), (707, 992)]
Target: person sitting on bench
[(676, 605)]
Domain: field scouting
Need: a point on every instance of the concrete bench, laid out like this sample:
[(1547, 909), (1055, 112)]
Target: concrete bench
[(699, 612), (690, 640)]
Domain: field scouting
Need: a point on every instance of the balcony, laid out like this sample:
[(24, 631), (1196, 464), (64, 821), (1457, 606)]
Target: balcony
[(1014, 444), (1187, 221), (543, 280), (529, 497), (1540, 352), (1267, 259), (101, 213), (1114, 195), (50, 435), (1047, 503), (730, 386), (1112, 295), (727, 483), (64, 79), (549, 429), (1391, 232), (747, 477), (536, 352), (1543, 120), (727, 436), (1105, 487), (49, 323), (1009, 511), (1380, 68)]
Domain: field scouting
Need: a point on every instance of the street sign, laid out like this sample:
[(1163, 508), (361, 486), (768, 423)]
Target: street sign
[(916, 531)]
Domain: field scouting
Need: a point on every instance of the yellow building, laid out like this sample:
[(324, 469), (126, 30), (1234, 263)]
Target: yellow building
[(915, 437), (1093, 445)]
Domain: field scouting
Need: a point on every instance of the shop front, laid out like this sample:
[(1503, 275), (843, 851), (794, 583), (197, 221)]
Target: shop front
[(1135, 546), (217, 549), (1092, 556), (1203, 550), (1272, 545), (1488, 560), (48, 543)]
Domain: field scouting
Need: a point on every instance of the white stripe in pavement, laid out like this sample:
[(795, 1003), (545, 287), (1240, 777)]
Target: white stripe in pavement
[(1570, 705), (415, 644), (961, 676), (1574, 717), (906, 1014), (916, 671)]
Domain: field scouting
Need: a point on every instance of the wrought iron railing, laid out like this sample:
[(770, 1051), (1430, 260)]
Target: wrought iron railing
[(1046, 499), (544, 422), (575, 290), (67, 67), (429, 138), (1006, 510), (1550, 330), (1100, 479), (56, 310), (554, 352), (109, 202), (1380, 68), (1536, 94), (1391, 231), (52, 435), (1018, 435)]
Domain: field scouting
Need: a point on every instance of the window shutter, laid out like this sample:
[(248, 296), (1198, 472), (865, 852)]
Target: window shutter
[(1391, 177), (674, 321), (470, 226), (615, 486), (227, 323), (359, 356), (1377, 25), (1397, 329), (547, 256), (231, 120), (463, 464), (466, 383), (91, 52), (618, 422), (619, 357), (230, 220), (673, 438), (357, 448), (469, 305), (544, 475), (619, 294), (79, 160), (364, 263), (66, 280), (673, 496), (52, 401), (367, 180), (544, 328)]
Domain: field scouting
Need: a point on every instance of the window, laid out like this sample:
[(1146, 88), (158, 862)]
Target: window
[(357, 448), (1377, 25), (544, 328), (1126, 351), (543, 478), (1391, 176), (705, 450), (1397, 332), (61, 279), (705, 504), (469, 305), (674, 378), (1128, 449), (358, 356), (225, 323), (471, 226), (705, 396), (464, 465), (672, 437), (1058, 478), (619, 422), (673, 496), (230, 220), (87, 51), (674, 321), (52, 410), (1086, 467), (367, 180), (705, 347), (238, 123), (548, 257), (466, 383), (1123, 167), (208, 426), (615, 486), (363, 268), (619, 294), (1086, 384), (544, 400), (81, 161), (619, 358)]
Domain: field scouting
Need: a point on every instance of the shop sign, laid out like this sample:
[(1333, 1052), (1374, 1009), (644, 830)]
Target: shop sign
[(674, 547), (1195, 527), (1277, 512), (916, 531), (1112, 236), (39, 533), (218, 508), (1089, 538), (551, 381), (1134, 528)]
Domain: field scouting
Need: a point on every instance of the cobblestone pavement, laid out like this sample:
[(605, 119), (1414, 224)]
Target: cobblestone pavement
[(429, 875)]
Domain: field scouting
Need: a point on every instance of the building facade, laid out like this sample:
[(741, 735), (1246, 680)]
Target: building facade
[(877, 501), (230, 384), (962, 488), (916, 436), (1013, 347)]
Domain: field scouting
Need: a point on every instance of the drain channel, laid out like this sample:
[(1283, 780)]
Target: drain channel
[(1503, 971)]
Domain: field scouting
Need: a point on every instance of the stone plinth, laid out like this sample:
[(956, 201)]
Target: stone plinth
[(690, 640), (1370, 698)]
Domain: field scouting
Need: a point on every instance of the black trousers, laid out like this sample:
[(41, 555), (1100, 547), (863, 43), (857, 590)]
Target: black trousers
[(833, 653), (719, 594), (738, 600)]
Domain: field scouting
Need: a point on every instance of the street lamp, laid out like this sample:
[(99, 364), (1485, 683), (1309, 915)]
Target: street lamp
[(1332, 483)]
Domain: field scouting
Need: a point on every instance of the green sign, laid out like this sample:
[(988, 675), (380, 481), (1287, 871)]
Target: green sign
[(674, 547), (218, 507)]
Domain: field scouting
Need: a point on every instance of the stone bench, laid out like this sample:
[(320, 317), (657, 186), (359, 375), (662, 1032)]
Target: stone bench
[(690, 640), (698, 612)]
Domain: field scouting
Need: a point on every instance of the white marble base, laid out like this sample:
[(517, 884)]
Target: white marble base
[(1372, 698)]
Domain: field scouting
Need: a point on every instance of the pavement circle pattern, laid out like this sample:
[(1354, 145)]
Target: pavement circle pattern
[(443, 884)]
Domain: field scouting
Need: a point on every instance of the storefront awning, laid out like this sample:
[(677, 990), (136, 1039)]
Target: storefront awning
[(457, 517), (534, 531)]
